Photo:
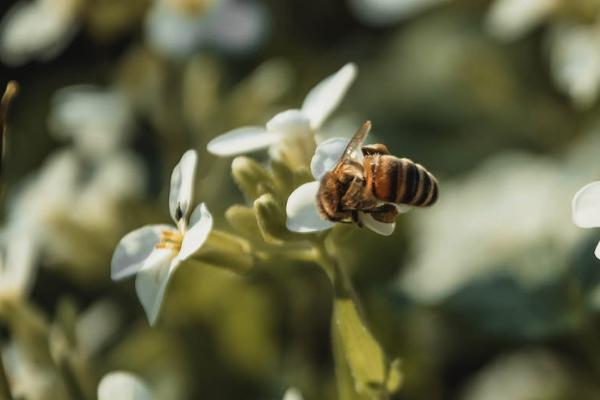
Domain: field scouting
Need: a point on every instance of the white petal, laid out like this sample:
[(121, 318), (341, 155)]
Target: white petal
[(36, 29), (597, 251), (182, 186), (241, 140), (200, 225), (292, 394), (288, 123), (152, 280), (120, 385), (173, 33), (97, 120), (324, 98), (327, 155), (386, 12), (510, 19), (238, 26), (134, 249), (575, 59), (378, 227), (586, 206), (403, 208), (18, 267), (301, 209)]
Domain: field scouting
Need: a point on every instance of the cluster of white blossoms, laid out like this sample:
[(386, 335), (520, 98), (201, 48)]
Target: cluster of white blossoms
[(321, 101), (96, 174), (573, 45), (41, 29), (177, 28), (153, 253)]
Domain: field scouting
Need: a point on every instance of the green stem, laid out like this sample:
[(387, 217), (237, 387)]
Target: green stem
[(343, 288), (74, 389), (5, 391), (304, 255), (340, 279)]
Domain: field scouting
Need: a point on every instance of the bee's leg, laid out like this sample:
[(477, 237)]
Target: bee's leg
[(372, 149), (386, 213), (355, 219), (358, 196)]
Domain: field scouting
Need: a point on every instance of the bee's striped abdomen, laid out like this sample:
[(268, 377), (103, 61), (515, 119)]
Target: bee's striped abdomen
[(401, 181)]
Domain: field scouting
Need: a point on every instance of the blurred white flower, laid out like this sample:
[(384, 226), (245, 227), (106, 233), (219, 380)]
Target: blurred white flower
[(48, 196), (119, 177), (31, 376), (292, 394), (154, 252), (38, 29), (97, 120), (97, 326), (384, 12), (534, 374), (67, 193), (232, 26), (495, 218), (120, 385), (320, 102), (574, 46), (586, 208), (301, 208), (18, 255), (510, 19), (575, 59)]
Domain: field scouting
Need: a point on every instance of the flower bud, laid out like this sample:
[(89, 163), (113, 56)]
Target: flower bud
[(243, 220), (283, 175), (251, 177), (271, 216)]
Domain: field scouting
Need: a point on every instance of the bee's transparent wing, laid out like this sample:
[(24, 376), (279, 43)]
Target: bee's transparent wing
[(353, 149)]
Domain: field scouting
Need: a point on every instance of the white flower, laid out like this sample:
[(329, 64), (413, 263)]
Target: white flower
[(154, 252), (17, 264), (120, 385), (575, 58), (510, 19), (38, 204), (302, 213), (385, 12), (320, 102), (292, 394), (37, 29), (230, 25), (97, 120), (528, 374), (513, 225), (586, 208)]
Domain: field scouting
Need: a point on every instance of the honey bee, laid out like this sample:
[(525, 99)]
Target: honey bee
[(374, 185)]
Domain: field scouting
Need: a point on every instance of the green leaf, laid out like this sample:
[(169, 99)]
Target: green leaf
[(373, 376)]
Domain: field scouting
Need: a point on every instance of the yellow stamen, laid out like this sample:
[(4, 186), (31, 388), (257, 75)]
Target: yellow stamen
[(170, 240)]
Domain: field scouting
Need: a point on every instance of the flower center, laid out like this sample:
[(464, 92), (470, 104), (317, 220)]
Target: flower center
[(170, 240)]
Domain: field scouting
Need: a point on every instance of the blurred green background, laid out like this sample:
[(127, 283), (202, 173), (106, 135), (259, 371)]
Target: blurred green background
[(491, 294)]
